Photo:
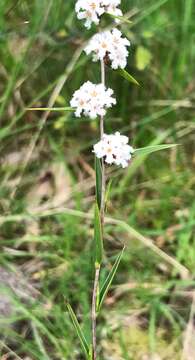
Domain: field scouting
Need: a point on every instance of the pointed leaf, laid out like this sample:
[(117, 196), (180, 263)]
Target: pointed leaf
[(127, 76), (121, 18), (139, 160), (51, 109), (98, 237), (109, 279), (150, 149), (79, 332), (98, 172)]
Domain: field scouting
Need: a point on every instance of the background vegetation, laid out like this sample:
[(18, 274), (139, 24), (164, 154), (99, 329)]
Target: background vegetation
[(47, 185)]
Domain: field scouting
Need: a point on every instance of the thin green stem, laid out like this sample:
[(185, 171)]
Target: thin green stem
[(103, 80), (97, 266)]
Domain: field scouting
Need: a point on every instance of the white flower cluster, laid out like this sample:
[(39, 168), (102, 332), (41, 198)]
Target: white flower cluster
[(91, 10), (112, 44), (92, 100), (114, 149)]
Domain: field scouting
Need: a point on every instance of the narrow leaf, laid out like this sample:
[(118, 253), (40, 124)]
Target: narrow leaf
[(121, 18), (78, 330), (127, 76), (109, 279), (139, 160), (51, 109), (150, 149), (98, 172), (98, 236), (90, 353)]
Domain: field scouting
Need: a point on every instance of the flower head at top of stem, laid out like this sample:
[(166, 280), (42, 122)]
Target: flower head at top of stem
[(91, 10), (109, 44), (111, 7), (114, 149), (92, 100)]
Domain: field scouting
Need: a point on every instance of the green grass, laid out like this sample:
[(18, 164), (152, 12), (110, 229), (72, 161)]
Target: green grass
[(47, 168)]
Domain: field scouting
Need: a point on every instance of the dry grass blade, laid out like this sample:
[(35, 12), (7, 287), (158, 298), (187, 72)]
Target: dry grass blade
[(10, 351), (182, 270), (189, 338)]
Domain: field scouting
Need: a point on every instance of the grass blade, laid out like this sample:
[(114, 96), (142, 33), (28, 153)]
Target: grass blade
[(98, 236), (107, 194), (78, 330), (127, 76), (98, 172), (39, 342), (150, 149), (109, 279)]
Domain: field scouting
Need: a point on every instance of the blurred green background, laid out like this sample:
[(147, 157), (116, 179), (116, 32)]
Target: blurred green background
[(47, 184)]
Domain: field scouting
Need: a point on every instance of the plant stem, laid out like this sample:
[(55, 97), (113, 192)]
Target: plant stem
[(103, 80), (98, 266)]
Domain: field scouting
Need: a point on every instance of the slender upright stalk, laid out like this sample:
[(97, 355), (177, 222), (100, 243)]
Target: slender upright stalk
[(103, 80), (98, 266)]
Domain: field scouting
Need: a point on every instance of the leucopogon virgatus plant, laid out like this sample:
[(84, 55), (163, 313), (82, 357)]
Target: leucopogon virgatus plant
[(93, 100), (110, 48)]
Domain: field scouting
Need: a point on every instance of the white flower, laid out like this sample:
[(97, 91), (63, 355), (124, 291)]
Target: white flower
[(91, 10), (114, 149), (111, 7), (112, 44), (92, 100)]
